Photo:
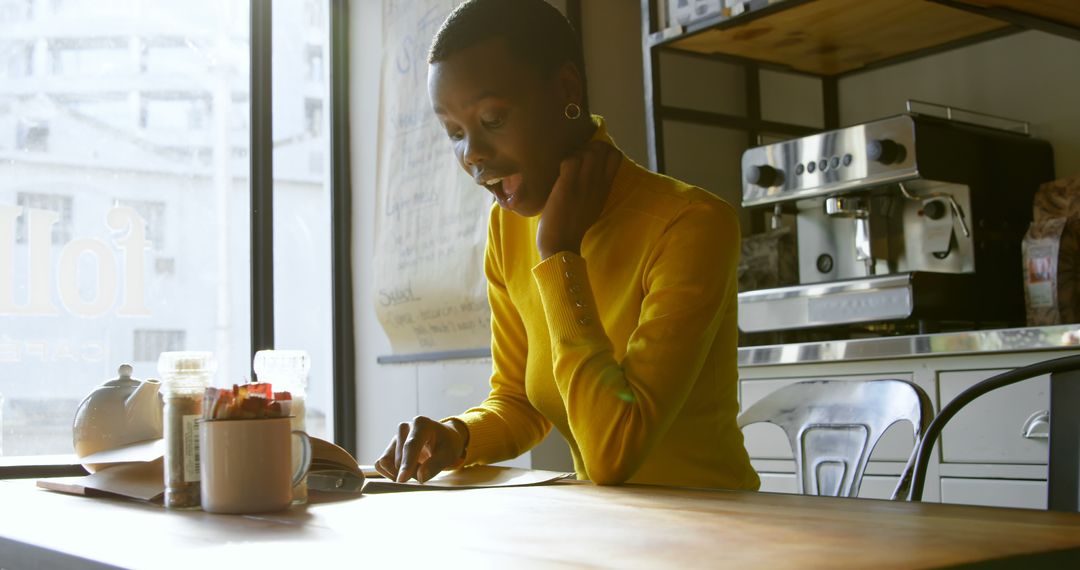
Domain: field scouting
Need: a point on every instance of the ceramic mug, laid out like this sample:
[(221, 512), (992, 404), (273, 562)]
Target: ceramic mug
[(246, 466)]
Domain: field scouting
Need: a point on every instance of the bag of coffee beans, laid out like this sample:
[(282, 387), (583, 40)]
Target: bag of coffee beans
[(1051, 252)]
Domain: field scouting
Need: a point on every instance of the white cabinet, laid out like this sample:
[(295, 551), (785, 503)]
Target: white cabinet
[(994, 492), (984, 456), (990, 428)]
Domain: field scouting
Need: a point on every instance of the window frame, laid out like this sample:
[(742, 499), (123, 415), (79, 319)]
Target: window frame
[(262, 259)]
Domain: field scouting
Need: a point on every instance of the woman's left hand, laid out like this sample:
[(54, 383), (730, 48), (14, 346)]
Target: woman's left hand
[(577, 199)]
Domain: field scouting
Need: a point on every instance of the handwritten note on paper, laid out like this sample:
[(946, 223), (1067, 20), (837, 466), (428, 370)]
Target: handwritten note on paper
[(431, 222)]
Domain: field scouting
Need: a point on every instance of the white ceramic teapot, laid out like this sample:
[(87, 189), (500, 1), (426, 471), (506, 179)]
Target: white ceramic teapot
[(121, 411)]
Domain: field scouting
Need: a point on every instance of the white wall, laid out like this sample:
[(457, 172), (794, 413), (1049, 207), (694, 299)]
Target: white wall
[(388, 394), (385, 395), (611, 37), (1031, 76)]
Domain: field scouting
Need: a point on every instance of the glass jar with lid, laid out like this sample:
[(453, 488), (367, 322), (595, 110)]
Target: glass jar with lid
[(184, 379), (287, 371)]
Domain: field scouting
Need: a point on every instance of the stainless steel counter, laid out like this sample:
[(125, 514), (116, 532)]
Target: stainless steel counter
[(941, 344)]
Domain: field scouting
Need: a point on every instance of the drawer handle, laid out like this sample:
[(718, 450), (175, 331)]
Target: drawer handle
[(1037, 426)]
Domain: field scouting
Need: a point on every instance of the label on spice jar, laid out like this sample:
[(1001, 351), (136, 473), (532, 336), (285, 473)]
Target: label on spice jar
[(191, 448)]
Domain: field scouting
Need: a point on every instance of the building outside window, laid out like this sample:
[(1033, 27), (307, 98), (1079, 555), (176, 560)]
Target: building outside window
[(303, 310), (19, 60), (149, 344), (32, 136), (125, 132)]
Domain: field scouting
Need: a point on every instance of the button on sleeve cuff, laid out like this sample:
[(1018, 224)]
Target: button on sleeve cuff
[(569, 305)]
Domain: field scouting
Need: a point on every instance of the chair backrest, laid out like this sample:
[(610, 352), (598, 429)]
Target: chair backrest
[(833, 426), (1063, 463)]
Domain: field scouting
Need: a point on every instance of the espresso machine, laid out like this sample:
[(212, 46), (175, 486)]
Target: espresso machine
[(911, 223)]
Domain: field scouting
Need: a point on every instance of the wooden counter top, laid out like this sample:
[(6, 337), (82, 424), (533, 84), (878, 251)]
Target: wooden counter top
[(559, 525)]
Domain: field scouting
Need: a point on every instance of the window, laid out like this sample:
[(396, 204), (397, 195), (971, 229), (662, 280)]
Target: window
[(82, 60), (166, 114), (134, 157), (18, 58), (302, 223), (32, 135), (313, 116), (111, 110), (165, 266), (198, 114), (13, 11), (150, 344), (61, 227), (165, 59), (153, 215), (315, 15), (314, 61), (107, 288)]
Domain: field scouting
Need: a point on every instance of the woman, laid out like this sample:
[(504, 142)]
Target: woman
[(612, 288)]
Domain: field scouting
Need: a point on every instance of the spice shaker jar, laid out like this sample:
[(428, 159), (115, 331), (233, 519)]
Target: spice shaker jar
[(287, 370), (185, 377)]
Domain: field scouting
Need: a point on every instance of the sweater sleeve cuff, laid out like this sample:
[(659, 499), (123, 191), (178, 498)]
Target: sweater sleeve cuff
[(484, 436), (563, 281)]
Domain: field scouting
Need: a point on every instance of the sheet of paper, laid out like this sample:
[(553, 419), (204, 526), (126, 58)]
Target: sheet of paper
[(137, 472), (430, 217), (479, 477), (148, 450), (143, 481)]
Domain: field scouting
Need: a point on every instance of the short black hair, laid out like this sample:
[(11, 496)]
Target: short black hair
[(535, 31)]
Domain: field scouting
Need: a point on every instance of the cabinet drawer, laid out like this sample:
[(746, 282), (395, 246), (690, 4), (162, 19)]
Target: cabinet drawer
[(990, 429), (994, 492), (767, 441)]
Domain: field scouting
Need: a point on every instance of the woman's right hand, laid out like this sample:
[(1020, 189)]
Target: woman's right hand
[(422, 449)]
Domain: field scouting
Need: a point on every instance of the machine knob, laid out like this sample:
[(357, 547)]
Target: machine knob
[(764, 175), (934, 209), (884, 151)]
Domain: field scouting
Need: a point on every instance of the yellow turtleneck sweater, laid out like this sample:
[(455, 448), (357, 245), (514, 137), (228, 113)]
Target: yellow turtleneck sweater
[(629, 350)]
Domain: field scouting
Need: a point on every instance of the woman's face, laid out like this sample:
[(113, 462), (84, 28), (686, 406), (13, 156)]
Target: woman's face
[(505, 121)]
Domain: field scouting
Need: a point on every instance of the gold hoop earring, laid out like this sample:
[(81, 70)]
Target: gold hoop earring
[(572, 111)]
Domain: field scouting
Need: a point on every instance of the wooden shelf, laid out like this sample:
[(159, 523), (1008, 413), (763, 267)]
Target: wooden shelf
[(1061, 11), (829, 37)]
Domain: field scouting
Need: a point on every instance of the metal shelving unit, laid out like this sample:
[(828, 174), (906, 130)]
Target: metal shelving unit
[(828, 40)]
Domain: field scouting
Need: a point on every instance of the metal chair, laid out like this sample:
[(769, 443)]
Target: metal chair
[(1063, 463), (833, 426)]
